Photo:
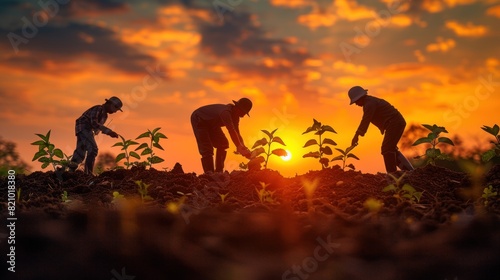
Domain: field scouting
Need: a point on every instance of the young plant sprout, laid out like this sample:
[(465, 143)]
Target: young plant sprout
[(433, 139), (488, 193), (125, 144), (147, 149), (143, 190), (64, 197), (402, 193), (344, 156), (265, 196), (263, 146), (47, 152), (323, 148), (495, 151)]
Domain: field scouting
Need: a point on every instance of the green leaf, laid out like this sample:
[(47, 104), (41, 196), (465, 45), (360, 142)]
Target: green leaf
[(445, 140), (417, 195), (157, 145), (312, 154), (257, 152), (329, 141), (279, 152), (40, 153), (269, 134), (328, 128), (352, 156), (142, 146), (422, 140), (488, 155), (135, 155), (495, 130), (316, 125), (58, 153), (341, 151), (432, 136), (144, 135), (161, 135), (156, 159), (337, 158), (42, 136), (309, 129), (389, 188), (408, 188), (310, 143), (120, 157), (155, 130), (44, 159), (261, 142), (50, 148), (47, 137), (351, 166), (38, 143), (130, 143), (278, 140), (326, 150), (350, 149), (429, 127), (45, 164), (432, 153), (146, 151), (324, 161), (118, 144)]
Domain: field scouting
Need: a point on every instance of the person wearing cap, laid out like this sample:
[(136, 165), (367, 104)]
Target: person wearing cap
[(386, 118), (207, 122), (90, 123)]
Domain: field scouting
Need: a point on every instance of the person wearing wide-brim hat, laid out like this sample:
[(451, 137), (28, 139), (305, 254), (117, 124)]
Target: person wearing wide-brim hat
[(207, 122), (390, 122), (90, 123)]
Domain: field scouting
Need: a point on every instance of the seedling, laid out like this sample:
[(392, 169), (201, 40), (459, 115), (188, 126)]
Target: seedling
[(143, 190), (18, 192), (309, 188), (147, 149), (265, 196), (373, 205), (223, 197), (261, 145), (406, 192), (175, 207), (64, 197), (323, 148), (344, 156), (47, 152), (487, 194), (117, 197), (433, 139), (125, 144), (495, 151)]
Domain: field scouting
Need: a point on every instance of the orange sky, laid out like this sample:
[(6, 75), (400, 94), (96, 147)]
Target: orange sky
[(437, 61)]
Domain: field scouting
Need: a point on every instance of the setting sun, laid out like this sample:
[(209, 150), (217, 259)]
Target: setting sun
[(288, 156)]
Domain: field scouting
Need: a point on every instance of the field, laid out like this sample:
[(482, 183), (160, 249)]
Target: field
[(327, 224)]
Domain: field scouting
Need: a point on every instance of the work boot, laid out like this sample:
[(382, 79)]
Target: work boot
[(220, 157), (72, 166), (89, 165), (403, 163), (390, 162), (208, 164)]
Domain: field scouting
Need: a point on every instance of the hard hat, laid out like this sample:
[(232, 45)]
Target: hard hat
[(116, 102), (244, 104), (355, 93)]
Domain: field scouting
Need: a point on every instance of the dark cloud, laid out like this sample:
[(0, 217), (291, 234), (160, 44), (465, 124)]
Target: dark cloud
[(73, 41), (94, 7)]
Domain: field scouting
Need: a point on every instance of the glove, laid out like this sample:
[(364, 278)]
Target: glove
[(244, 151), (354, 141), (113, 134)]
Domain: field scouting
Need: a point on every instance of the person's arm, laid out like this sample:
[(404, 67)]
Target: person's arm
[(368, 114), (96, 125), (234, 133)]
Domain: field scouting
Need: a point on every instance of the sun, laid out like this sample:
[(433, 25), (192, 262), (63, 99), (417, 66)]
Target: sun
[(287, 157)]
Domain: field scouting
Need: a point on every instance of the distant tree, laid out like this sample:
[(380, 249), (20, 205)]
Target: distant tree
[(10, 159), (105, 162)]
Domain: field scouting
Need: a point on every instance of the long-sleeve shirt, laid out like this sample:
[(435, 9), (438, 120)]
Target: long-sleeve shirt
[(378, 112), (219, 115), (92, 119)]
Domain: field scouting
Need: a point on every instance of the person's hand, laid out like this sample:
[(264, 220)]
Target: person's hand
[(244, 151), (354, 141), (113, 134)]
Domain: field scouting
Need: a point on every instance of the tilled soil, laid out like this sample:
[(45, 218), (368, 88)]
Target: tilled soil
[(312, 226)]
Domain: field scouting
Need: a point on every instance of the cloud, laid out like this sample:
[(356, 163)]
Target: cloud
[(494, 11), (80, 8), (441, 45), (468, 30), (318, 18), (435, 6), (75, 41), (292, 3)]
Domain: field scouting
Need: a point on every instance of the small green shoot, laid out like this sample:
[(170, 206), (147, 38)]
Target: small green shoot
[(495, 151), (309, 188), (373, 205), (223, 197), (263, 146), (147, 149), (47, 152), (488, 193), (344, 155), (18, 193), (323, 148), (433, 139), (174, 207), (117, 197), (406, 192), (64, 197), (125, 144), (265, 196), (143, 190)]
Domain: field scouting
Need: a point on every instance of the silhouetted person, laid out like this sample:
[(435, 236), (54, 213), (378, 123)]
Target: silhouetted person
[(90, 123), (390, 122), (207, 122)]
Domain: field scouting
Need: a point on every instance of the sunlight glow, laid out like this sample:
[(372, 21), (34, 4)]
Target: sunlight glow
[(288, 156)]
